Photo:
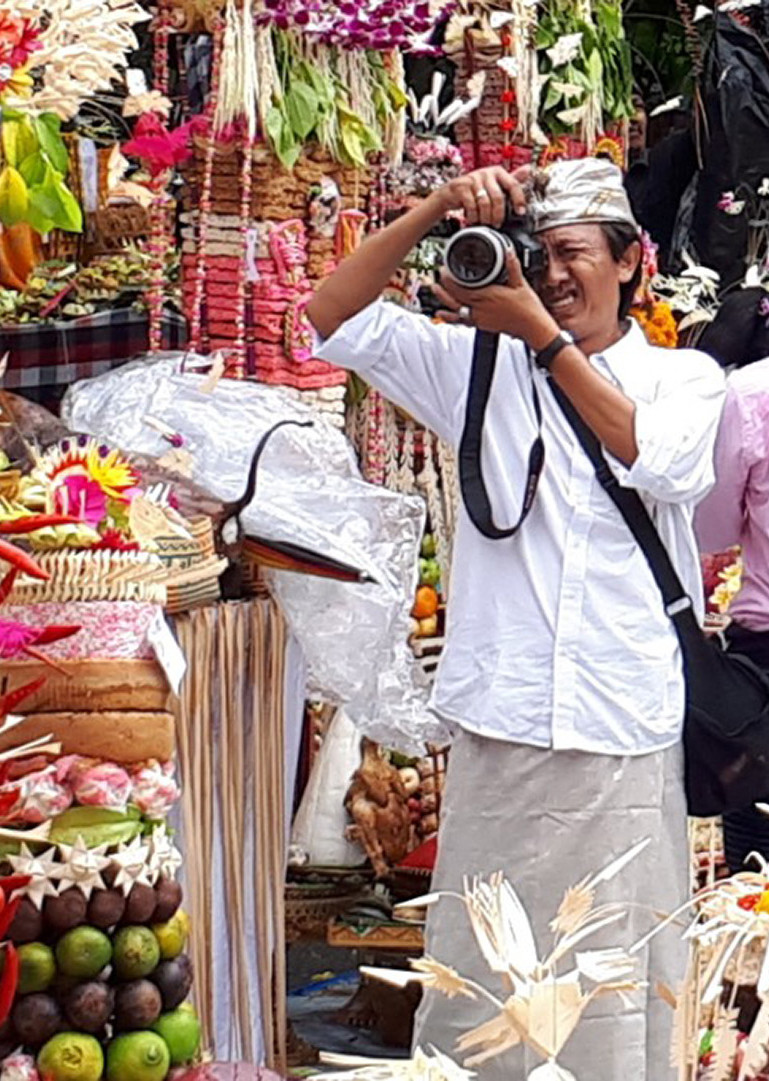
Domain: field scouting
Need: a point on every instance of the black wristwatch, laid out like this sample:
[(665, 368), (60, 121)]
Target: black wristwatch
[(545, 357)]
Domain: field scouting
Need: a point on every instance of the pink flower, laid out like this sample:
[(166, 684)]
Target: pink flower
[(729, 204), (14, 638), (82, 497)]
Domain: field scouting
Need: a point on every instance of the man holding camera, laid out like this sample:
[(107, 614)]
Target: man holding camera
[(561, 672)]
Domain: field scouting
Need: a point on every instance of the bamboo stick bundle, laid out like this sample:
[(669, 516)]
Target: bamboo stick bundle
[(230, 723)]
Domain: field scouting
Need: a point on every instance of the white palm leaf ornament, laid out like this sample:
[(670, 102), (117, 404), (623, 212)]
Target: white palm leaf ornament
[(542, 1006)]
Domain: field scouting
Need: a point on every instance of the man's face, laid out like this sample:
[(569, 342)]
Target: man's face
[(581, 286), (637, 128)]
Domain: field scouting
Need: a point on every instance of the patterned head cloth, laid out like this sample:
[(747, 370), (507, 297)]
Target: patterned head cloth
[(579, 192)]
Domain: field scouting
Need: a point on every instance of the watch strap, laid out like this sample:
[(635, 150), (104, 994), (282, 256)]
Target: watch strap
[(545, 357)]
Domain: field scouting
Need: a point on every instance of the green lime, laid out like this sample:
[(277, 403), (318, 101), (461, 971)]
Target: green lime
[(136, 952), (83, 952), (181, 1031), (172, 935), (138, 1056), (71, 1056), (37, 968)]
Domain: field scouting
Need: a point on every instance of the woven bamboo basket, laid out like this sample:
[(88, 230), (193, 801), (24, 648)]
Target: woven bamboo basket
[(94, 576), (192, 567)]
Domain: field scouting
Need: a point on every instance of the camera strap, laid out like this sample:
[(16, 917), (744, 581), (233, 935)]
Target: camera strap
[(474, 492)]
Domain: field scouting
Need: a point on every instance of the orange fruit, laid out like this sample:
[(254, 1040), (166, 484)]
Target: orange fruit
[(426, 603)]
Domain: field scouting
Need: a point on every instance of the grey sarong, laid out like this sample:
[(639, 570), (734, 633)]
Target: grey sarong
[(548, 819)]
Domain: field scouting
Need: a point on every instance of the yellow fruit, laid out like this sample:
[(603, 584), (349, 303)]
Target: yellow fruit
[(172, 935), (428, 628)]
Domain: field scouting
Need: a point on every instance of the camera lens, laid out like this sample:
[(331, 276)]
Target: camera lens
[(475, 257)]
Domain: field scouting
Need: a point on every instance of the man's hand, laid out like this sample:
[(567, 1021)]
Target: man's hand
[(513, 308), (482, 195)]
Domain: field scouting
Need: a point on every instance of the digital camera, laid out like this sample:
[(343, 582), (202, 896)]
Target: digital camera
[(477, 255)]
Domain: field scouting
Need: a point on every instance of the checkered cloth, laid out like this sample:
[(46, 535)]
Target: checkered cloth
[(45, 358)]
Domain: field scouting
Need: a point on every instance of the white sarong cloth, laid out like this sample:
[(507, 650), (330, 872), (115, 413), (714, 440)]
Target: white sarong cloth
[(548, 819)]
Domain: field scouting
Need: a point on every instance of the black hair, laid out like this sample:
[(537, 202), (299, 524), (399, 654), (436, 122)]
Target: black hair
[(739, 334), (619, 237)]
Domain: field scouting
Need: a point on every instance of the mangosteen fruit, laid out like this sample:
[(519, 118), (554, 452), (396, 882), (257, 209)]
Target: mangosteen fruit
[(27, 925), (66, 911), (36, 1018), (89, 1006), (106, 908), (140, 904), (169, 899), (138, 1005), (174, 980)]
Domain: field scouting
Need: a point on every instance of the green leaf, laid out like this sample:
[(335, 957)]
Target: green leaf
[(352, 145), (33, 169), (274, 125), (69, 216), (284, 142), (398, 99), (301, 103), (595, 68), (48, 130), (43, 202), (53, 200), (36, 218), (289, 149)]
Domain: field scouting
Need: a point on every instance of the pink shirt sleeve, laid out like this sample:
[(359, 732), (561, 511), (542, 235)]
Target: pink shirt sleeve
[(720, 517)]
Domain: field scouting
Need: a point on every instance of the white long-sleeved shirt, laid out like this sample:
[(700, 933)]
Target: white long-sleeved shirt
[(556, 637)]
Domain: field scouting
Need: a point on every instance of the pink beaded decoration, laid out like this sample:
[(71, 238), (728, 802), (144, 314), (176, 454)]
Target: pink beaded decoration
[(246, 187), (159, 239)]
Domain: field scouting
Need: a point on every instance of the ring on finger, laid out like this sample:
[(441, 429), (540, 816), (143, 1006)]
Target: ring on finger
[(465, 313), (482, 194)]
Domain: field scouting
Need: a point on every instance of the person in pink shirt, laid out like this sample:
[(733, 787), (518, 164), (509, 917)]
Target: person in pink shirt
[(736, 511)]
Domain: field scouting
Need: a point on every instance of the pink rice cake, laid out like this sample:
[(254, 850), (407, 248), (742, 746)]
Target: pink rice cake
[(109, 629)]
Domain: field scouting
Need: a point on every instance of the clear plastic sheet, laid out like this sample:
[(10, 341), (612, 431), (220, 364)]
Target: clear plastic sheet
[(309, 491)]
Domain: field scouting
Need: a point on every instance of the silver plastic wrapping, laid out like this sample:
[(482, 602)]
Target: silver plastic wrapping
[(309, 491)]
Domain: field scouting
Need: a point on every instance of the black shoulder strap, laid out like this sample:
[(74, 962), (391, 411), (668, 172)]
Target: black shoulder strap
[(474, 493), (677, 602)]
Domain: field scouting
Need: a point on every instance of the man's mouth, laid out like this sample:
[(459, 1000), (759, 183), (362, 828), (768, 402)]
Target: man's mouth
[(562, 303)]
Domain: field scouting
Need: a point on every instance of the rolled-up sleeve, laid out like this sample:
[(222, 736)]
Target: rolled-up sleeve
[(676, 431), (421, 366)]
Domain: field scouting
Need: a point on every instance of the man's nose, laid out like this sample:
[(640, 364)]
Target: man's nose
[(556, 272)]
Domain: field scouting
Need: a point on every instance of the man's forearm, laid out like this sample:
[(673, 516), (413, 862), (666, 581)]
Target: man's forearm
[(602, 406), (363, 276)]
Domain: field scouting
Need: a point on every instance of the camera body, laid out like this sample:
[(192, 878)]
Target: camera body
[(476, 256)]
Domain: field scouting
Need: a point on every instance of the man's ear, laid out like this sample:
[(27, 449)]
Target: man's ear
[(628, 262)]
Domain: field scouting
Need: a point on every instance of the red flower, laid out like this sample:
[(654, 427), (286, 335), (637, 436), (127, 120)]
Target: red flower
[(27, 44), (156, 146), (114, 541), (507, 125), (507, 96), (18, 39)]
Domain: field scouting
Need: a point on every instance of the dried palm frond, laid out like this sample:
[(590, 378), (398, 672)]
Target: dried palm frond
[(545, 1006), (84, 49)]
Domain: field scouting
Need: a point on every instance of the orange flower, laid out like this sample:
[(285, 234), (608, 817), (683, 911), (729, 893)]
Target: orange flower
[(657, 321)]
